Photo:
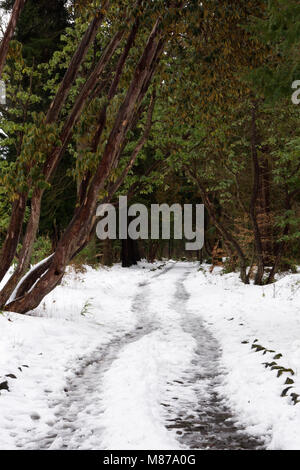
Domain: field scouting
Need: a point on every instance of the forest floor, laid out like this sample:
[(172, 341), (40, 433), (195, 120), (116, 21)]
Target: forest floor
[(163, 356)]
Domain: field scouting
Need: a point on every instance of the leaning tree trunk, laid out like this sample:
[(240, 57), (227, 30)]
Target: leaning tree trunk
[(25, 253), (49, 169), (10, 244), (18, 210), (79, 228), (41, 268), (228, 237), (33, 223)]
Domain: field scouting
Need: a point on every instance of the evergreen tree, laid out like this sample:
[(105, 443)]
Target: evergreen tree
[(39, 27)]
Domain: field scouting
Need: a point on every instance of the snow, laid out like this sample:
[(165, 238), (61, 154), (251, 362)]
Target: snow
[(52, 342), (108, 360), (236, 313), (4, 19), (13, 295), (136, 383)]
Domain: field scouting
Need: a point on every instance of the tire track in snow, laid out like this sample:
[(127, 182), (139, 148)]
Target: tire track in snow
[(203, 422), (208, 423), (78, 412)]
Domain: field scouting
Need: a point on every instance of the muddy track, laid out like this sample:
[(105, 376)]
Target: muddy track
[(208, 424)]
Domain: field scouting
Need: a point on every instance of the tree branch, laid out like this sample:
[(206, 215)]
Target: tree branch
[(17, 9)]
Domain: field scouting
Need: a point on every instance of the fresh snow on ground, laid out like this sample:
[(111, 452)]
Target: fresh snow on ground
[(236, 313), (52, 343), (112, 358)]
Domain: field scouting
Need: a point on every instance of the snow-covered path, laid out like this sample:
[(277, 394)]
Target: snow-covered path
[(160, 356), (78, 421), (155, 386), (209, 424)]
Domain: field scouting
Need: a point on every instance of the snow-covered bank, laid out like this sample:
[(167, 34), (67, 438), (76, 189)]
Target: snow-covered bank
[(93, 362), (238, 315), (43, 350)]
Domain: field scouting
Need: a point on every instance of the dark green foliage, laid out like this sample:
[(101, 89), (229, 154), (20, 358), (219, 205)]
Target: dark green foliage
[(280, 31), (207, 87), (39, 27)]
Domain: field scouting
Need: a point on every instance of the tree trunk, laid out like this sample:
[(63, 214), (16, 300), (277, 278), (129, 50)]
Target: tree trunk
[(11, 27), (231, 241), (263, 210), (255, 190), (10, 244), (79, 228), (26, 251), (153, 248), (108, 257), (73, 69), (281, 245), (18, 211), (130, 253), (31, 278)]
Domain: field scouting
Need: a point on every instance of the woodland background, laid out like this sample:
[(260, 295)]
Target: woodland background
[(162, 101)]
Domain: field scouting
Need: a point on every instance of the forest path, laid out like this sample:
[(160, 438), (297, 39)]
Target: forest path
[(156, 386), (208, 423)]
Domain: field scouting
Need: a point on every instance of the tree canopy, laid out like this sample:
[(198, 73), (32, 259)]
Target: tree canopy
[(177, 101)]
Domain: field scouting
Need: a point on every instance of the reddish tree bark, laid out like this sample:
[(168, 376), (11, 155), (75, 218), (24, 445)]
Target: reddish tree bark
[(11, 241), (79, 228), (49, 169), (26, 251), (53, 160), (9, 247), (11, 27), (77, 59)]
